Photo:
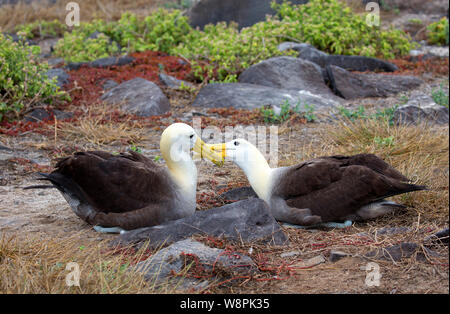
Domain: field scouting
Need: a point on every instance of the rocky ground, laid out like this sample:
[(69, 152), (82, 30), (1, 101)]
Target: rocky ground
[(113, 111)]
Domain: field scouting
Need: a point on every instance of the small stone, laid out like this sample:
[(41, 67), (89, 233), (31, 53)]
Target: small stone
[(337, 255), (108, 84), (290, 254), (314, 261)]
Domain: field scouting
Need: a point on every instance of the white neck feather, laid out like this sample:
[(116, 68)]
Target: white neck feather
[(183, 172), (258, 172)]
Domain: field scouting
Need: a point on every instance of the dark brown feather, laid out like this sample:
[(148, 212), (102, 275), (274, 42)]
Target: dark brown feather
[(337, 186), (126, 190)]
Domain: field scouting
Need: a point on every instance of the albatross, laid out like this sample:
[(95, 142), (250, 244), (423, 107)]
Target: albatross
[(128, 190), (321, 191)]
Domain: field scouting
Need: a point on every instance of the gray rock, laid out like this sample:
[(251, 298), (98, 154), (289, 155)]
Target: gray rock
[(393, 230), (399, 251), (75, 65), (40, 114), (290, 254), (111, 61), (2, 147), (238, 194), (440, 237), (243, 12), (421, 108), (138, 96), (250, 96), (288, 73), (351, 63), (108, 84), (54, 61), (174, 258), (3, 2), (101, 63), (337, 255), (62, 77), (360, 85), (173, 82), (247, 220)]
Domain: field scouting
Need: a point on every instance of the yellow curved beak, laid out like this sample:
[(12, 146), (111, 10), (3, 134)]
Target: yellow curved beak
[(207, 150), (218, 149)]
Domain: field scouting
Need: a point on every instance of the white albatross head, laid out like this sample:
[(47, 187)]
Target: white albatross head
[(245, 155), (179, 139)]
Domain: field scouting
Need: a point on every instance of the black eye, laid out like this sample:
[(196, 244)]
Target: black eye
[(236, 143), (191, 136)]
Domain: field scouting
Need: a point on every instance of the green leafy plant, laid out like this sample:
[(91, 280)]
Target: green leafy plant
[(438, 32), (331, 26), (386, 114), (440, 97), (307, 111), (79, 48), (179, 4), (23, 83), (270, 116), (219, 53), (41, 29), (286, 110), (136, 149), (415, 21), (160, 31), (384, 141), (352, 115)]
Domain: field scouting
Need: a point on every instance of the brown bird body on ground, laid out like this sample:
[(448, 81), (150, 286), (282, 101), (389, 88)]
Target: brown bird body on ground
[(126, 191), (322, 190)]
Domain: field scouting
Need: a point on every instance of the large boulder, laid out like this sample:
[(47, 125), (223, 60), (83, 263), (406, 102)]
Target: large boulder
[(251, 96), (351, 63), (421, 108), (138, 96), (288, 73), (360, 85), (243, 12), (247, 220)]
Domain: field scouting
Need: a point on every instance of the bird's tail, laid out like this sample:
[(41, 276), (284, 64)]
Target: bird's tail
[(45, 177)]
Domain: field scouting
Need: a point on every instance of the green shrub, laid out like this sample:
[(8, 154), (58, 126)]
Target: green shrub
[(159, 31), (385, 114), (331, 26), (22, 80), (440, 97), (78, 47), (41, 29), (438, 32), (286, 110), (221, 52)]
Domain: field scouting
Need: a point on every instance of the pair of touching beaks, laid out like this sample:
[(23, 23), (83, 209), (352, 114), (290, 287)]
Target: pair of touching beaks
[(214, 152)]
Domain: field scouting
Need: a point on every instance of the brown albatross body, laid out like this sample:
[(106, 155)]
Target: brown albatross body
[(128, 191), (322, 190)]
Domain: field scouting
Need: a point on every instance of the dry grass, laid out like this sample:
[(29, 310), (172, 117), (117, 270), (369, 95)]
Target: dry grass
[(35, 265), (100, 127), (21, 13), (419, 152)]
